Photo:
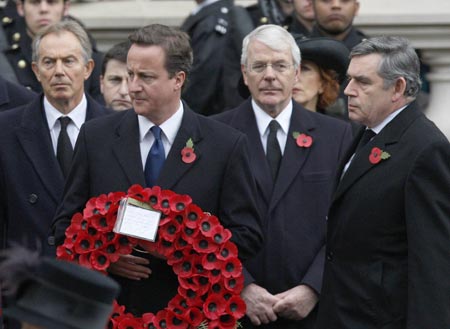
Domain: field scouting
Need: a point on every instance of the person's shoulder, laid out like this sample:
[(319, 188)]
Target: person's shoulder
[(215, 17), (11, 119), (218, 129), (324, 121), (106, 122)]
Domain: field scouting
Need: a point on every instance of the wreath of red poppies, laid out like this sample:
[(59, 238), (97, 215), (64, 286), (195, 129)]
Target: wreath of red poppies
[(194, 243)]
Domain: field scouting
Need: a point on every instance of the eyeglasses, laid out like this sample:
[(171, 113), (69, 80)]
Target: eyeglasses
[(280, 67)]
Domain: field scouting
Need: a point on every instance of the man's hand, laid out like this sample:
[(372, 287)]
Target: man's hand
[(131, 267), (296, 303), (259, 304)]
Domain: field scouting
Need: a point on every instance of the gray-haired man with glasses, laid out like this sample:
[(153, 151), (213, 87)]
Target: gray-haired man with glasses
[(294, 177)]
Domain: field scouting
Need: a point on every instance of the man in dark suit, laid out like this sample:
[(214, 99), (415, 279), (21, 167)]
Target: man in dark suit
[(294, 187), (118, 151), (13, 95), (208, 28), (34, 154), (387, 259)]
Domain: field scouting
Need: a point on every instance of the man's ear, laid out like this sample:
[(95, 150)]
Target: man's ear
[(180, 78), (19, 6), (35, 69), (399, 89), (244, 73), (89, 67)]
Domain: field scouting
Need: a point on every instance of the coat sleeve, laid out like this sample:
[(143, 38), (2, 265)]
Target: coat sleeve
[(238, 208), (427, 207)]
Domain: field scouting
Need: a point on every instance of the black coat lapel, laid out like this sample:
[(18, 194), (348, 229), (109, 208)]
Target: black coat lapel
[(174, 168), (34, 136), (127, 150), (245, 121), (294, 156)]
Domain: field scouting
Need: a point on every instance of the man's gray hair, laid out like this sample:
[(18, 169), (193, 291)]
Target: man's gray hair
[(274, 37), (399, 59), (66, 25)]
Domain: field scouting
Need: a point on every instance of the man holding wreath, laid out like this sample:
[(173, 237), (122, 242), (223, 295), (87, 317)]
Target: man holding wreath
[(145, 146)]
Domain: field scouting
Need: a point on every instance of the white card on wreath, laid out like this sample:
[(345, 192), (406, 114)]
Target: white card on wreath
[(137, 219)]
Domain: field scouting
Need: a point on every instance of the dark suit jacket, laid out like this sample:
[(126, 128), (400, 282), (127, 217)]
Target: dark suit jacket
[(31, 182), (294, 209), (388, 261), (107, 159), (13, 95)]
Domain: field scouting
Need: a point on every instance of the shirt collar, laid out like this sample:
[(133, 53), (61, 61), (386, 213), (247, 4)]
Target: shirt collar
[(77, 115), (169, 127), (263, 119), (388, 119)]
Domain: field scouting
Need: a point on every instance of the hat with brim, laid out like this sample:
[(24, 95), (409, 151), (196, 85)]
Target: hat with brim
[(326, 53), (62, 295)]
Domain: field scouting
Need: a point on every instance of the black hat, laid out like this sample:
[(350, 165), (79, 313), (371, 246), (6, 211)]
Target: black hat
[(327, 53), (62, 295)]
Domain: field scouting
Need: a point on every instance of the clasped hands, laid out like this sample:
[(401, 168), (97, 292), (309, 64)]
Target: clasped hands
[(133, 267), (263, 307)]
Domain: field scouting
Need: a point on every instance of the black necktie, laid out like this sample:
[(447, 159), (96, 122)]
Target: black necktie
[(64, 150), (365, 138), (155, 158), (273, 148)]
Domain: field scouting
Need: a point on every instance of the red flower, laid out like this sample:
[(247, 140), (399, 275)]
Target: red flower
[(187, 153), (179, 202), (64, 253), (130, 322), (99, 260), (214, 306), (231, 268), (302, 140), (227, 251), (377, 154), (236, 307), (207, 225), (205, 245), (234, 285), (193, 216)]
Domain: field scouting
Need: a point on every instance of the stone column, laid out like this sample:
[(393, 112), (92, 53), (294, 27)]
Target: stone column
[(439, 107)]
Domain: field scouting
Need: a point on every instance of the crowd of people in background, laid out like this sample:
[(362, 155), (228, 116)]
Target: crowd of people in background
[(311, 148)]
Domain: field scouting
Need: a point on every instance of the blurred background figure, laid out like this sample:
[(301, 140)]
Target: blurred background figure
[(302, 18), (13, 95), (207, 27), (323, 67), (45, 293), (114, 78), (334, 19), (22, 25)]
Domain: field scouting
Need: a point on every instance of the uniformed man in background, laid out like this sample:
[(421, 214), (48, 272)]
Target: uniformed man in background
[(207, 27)]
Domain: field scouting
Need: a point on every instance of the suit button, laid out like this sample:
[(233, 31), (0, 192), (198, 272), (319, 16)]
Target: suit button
[(32, 198), (330, 256), (51, 240)]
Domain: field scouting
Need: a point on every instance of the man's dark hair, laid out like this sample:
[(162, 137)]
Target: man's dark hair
[(118, 52), (173, 41)]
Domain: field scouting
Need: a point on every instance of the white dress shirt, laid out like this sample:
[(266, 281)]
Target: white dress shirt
[(263, 120), (77, 115), (169, 131)]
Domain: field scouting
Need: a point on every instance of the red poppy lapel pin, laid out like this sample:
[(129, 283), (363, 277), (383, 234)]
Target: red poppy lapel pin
[(377, 154), (302, 140), (187, 153)]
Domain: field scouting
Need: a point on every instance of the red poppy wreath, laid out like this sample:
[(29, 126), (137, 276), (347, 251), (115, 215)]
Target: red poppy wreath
[(194, 243)]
